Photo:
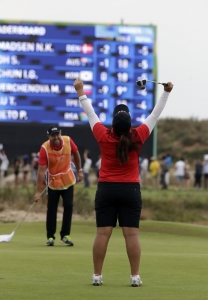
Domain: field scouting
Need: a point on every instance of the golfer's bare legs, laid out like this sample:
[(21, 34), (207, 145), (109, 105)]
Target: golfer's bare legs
[(100, 247), (133, 248)]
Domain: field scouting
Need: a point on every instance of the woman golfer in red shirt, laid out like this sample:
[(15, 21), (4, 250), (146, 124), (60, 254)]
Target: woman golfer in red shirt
[(118, 194)]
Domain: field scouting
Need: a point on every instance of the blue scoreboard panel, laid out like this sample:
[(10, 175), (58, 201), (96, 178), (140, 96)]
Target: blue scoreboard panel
[(39, 63)]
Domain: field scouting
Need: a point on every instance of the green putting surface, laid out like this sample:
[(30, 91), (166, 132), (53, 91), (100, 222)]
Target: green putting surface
[(174, 264)]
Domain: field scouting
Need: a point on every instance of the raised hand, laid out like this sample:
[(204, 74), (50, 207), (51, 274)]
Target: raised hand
[(79, 87), (169, 87)]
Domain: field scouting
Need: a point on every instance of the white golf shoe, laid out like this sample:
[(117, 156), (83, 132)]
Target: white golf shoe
[(97, 280), (135, 280)]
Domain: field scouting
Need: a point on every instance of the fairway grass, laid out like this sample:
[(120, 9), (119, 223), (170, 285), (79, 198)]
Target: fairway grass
[(174, 264)]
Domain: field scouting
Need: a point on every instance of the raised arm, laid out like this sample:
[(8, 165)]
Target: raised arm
[(85, 103), (153, 117)]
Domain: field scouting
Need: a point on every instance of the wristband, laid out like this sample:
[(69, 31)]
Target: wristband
[(83, 97), (80, 170)]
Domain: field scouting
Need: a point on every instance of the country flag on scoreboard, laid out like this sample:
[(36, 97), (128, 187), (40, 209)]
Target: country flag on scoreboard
[(83, 116), (87, 48), (87, 89), (86, 75), (86, 61)]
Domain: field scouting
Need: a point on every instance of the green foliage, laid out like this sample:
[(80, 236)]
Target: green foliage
[(19, 198), (83, 204), (170, 205), (10, 195), (175, 206), (182, 138), (6, 195)]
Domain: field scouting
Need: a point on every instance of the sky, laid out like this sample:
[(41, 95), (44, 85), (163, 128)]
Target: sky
[(182, 39)]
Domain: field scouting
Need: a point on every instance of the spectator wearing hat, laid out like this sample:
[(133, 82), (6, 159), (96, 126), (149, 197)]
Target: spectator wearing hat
[(118, 194), (54, 158)]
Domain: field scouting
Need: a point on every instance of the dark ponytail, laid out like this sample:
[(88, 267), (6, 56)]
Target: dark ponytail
[(122, 149), (127, 143)]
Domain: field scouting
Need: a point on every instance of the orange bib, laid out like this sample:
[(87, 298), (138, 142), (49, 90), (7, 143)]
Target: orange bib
[(59, 165)]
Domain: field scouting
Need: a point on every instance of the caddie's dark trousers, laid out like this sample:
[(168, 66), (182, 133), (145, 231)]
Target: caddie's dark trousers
[(51, 218)]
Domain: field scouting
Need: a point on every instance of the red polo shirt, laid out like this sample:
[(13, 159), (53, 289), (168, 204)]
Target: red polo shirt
[(111, 170)]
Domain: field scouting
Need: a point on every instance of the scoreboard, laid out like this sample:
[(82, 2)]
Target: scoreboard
[(39, 63)]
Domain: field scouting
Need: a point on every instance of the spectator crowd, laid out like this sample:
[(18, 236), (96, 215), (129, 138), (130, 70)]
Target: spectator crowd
[(181, 174), (154, 173)]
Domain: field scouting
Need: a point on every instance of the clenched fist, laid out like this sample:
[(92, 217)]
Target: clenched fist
[(78, 85), (169, 87)]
